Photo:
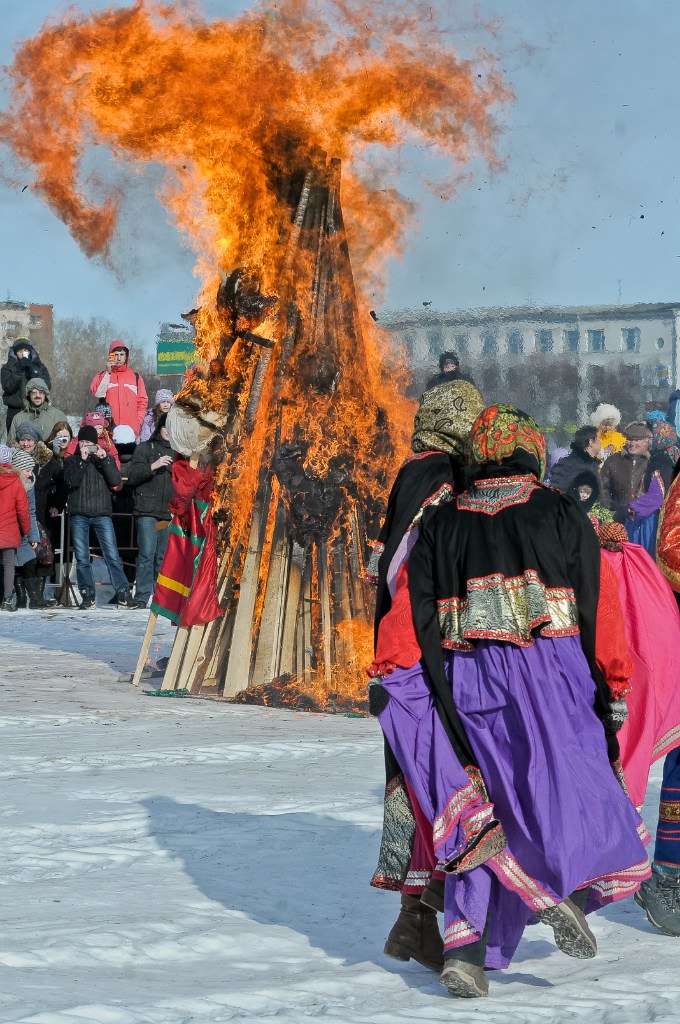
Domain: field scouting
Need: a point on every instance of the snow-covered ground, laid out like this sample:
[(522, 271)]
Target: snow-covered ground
[(170, 861)]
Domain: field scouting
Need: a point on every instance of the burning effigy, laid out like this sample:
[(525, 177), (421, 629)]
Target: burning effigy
[(271, 128)]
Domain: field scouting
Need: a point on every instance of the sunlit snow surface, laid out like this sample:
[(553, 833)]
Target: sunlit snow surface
[(166, 861)]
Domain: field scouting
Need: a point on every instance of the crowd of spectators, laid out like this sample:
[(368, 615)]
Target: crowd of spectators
[(113, 478), (626, 473)]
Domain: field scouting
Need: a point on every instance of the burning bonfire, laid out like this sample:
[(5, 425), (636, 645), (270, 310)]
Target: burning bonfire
[(294, 392)]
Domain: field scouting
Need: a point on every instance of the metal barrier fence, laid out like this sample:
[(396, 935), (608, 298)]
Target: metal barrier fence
[(125, 529)]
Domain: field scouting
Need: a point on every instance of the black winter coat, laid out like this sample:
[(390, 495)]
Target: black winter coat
[(15, 375), (50, 489), (153, 488), (89, 483), (578, 462)]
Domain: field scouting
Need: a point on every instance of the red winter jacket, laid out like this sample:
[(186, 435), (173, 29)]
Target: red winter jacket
[(124, 391), (15, 520)]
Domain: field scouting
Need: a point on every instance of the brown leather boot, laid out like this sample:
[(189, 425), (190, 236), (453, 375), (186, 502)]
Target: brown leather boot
[(433, 895), (415, 935)]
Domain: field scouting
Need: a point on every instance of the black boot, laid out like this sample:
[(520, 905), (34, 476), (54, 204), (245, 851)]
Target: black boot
[(48, 601), (34, 595), (415, 935), (21, 592)]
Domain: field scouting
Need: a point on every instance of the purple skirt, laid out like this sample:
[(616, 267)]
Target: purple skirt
[(528, 714)]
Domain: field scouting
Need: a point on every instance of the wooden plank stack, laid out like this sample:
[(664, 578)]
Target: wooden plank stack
[(291, 515)]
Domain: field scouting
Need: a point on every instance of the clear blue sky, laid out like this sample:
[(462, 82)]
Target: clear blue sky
[(586, 210)]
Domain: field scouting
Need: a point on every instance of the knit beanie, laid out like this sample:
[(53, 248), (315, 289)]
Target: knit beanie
[(93, 419), (22, 460), (5, 455), (163, 395), (37, 384), (88, 433), (29, 431), (21, 343), (104, 409)]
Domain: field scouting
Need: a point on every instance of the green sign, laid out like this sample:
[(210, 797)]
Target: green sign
[(174, 357)]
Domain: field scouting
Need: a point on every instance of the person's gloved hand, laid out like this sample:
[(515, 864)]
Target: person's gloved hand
[(378, 697), (616, 716)]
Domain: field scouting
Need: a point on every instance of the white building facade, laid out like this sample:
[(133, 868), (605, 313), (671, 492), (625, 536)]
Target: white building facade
[(643, 336)]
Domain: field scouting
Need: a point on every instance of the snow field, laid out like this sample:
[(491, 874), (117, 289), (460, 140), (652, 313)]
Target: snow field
[(169, 861)]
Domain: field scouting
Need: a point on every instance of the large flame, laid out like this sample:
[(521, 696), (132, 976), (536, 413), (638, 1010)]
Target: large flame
[(229, 108)]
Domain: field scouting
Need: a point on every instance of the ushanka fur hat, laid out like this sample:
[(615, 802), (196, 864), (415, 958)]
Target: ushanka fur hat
[(605, 412)]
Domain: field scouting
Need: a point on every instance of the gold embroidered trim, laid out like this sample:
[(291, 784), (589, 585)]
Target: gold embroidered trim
[(669, 810), (507, 608)]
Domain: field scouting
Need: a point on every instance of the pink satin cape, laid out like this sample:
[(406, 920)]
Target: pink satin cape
[(652, 627)]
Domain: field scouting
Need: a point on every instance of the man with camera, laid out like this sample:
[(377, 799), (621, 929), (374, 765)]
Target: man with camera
[(91, 475), (121, 388)]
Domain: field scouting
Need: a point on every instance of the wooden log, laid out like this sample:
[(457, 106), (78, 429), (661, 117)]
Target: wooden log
[(144, 650), (326, 622), (292, 609), (175, 660), (304, 643), (238, 667), (268, 653)]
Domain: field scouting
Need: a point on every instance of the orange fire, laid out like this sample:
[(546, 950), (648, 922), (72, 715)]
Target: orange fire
[(234, 110)]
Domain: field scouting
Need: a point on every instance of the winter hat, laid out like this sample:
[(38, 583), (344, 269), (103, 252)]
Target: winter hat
[(22, 460), (637, 431), (21, 343), (124, 434), (29, 431), (37, 384), (88, 433), (93, 419), (104, 409), (5, 455), (605, 412), (164, 395)]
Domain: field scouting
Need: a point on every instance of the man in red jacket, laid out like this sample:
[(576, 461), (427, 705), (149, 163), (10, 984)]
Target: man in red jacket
[(121, 388)]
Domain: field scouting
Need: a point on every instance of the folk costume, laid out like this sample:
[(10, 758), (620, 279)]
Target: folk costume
[(660, 896), (645, 509), (650, 644), (429, 477), (499, 727)]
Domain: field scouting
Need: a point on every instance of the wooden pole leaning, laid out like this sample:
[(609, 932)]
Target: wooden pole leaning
[(146, 644)]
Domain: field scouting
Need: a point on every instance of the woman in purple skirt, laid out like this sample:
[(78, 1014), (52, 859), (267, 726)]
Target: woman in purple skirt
[(503, 727)]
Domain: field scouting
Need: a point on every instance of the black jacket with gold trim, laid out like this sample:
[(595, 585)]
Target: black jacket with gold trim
[(508, 560)]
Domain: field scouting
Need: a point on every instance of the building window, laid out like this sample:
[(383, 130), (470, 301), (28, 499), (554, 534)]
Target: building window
[(489, 343), (572, 340), (596, 341), (461, 343), (544, 341), (631, 339), (663, 374), (435, 339), (515, 343), (660, 343)]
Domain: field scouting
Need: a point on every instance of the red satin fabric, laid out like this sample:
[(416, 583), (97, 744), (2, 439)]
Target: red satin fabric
[(611, 646), (397, 645)]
